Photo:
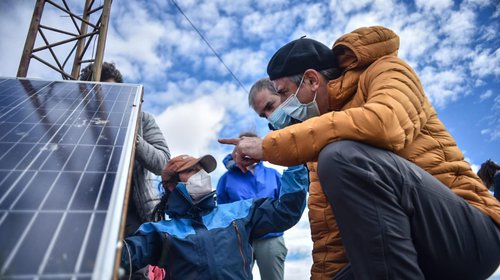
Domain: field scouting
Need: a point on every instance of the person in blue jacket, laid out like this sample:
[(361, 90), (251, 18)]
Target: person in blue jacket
[(259, 181), (203, 240)]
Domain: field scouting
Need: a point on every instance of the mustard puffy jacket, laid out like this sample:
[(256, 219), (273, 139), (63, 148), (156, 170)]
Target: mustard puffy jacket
[(378, 100)]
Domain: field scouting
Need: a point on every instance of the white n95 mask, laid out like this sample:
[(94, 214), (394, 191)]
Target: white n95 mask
[(199, 185)]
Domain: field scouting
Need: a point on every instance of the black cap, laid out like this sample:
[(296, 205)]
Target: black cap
[(298, 56)]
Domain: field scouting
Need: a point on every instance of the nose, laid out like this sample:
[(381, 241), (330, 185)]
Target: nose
[(268, 113)]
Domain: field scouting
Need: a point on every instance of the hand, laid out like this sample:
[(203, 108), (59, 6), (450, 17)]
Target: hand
[(247, 150)]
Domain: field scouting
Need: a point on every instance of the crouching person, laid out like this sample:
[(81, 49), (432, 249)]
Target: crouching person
[(202, 240)]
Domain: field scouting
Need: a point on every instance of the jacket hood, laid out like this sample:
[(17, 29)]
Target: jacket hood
[(365, 45), (180, 204), (229, 162), (355, 51)]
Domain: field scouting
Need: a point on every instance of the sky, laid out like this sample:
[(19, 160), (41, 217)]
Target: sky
[(196, 99)]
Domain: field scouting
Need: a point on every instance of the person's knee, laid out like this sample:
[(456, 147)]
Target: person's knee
[(336, 154), (332, 164)]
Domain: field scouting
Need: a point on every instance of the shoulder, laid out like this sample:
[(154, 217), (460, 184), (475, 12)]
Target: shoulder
[(388, 63), (148, 120), (147, 116)]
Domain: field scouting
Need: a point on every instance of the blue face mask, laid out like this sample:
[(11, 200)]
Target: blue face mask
[(297, 110), (291, 111), (279, 119)]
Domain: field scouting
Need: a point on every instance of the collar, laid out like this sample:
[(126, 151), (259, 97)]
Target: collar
[(180, 204)]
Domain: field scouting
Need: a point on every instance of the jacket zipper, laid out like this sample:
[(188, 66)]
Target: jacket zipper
[(170, 265), (241, 248)]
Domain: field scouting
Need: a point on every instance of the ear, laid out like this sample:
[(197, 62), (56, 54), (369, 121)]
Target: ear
[(312, 79)]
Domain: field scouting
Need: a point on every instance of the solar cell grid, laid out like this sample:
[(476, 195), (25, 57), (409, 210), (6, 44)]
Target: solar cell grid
[(65, 148)]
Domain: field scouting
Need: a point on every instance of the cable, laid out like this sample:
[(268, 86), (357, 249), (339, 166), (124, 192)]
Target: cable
[(129, 260), (210, 46)]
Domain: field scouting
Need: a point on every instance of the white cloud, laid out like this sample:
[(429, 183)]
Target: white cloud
[(448, 55), (314, 16), (299, 244), (481, 3), (193, 122), (443, 86), (475, 167), (190, 127), (459, 26), (497, 12), (492, 119), (223, 32), (268, 25), (346, 7), (14, 26), (436, 6), (486, 95), (417, 38), (485, 62), (362, 19), (246, 63)]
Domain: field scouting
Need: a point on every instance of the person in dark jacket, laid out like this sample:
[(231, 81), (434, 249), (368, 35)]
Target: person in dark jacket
[(490, 175), (203, 240), (391, 195), (261, 181)]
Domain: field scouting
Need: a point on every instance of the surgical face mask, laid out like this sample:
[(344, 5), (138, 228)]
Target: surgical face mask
[(295, 109), (199, 185), (279, 119)]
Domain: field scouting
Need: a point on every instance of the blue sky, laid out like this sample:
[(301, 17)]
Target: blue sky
[(452, 45)]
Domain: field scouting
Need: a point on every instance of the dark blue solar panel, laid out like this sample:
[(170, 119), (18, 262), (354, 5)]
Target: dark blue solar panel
[(65, 152)]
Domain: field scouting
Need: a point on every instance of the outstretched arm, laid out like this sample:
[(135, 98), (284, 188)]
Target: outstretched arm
[(393, 115), (276, 215)]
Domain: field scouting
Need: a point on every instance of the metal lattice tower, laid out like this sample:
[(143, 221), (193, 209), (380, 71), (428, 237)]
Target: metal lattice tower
[(90, 29)]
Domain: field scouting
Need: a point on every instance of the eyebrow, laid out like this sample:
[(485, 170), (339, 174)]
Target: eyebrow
[(281, 90), (267, 107)]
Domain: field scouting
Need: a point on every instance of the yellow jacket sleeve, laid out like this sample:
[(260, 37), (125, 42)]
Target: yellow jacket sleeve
[(390, 115)]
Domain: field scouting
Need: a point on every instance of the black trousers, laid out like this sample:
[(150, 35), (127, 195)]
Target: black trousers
[(398, 222)]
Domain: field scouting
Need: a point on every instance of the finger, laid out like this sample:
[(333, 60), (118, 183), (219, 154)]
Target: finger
[(239, 161), (242, 168), (245, 162), (235, 156), (231, 141)]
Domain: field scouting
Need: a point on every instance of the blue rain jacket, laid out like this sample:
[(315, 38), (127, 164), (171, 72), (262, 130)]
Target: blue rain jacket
[(209, 241), (235, 185)]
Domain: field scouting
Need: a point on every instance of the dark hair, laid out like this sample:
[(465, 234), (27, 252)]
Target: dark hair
[(108, 71), (158, 213), (487, 172), (159, 210)]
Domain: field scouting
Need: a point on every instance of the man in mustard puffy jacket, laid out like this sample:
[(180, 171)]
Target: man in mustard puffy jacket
[(391, 196)]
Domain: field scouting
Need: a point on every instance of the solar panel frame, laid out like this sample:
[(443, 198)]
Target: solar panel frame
[(109, 253), (107, 258)]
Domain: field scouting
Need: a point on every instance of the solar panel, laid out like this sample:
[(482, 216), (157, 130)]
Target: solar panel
[(66, 149)]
